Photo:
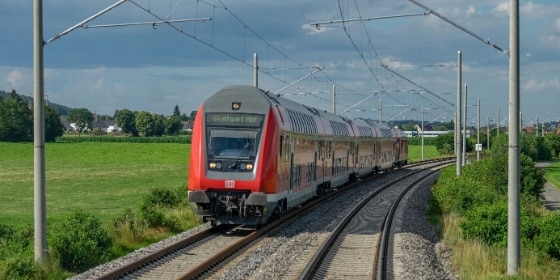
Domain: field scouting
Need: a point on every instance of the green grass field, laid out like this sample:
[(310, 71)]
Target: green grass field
[(553, 173), (101, 178), (415, 153)]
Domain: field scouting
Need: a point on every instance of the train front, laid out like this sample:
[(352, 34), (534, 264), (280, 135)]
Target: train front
[(233, 162)]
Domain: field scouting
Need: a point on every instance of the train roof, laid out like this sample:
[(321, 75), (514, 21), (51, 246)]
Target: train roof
[(303, 118)]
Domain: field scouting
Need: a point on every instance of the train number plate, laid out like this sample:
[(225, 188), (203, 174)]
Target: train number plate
[(230, 184)]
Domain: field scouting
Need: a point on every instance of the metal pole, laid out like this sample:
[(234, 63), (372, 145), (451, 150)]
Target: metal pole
[(464, 159), (520, 121), (256, 70), (514, 180), (537, 128), (334, 99), (380, 110), (478, 128), (488, 133), (40, 216), (498, 123), (422, 133), (458, 116)]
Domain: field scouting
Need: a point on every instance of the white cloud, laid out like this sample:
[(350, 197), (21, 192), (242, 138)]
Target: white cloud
[(538, 85), (502, 8), (471, 11), (551, 40), (396, 64), (99, 85), (14, 79)]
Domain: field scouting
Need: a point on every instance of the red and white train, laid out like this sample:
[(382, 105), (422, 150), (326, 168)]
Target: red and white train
[(255, 155)]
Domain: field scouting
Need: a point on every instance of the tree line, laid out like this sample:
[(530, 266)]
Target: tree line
[(133, 123), (16, 120), (149, 124)]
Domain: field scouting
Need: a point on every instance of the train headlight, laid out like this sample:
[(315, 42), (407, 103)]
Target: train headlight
[(215, 165), (243, 166), (249, 166)]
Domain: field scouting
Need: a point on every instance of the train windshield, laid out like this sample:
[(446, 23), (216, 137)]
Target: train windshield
[(233, 135), (237, 143)]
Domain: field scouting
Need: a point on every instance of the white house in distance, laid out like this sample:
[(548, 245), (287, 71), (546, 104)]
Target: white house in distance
[(113, 128)]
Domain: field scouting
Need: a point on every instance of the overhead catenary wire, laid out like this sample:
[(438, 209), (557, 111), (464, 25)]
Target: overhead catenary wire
[(154, 24), (80, 24), (318, 24), (323, 77), (486, 41)]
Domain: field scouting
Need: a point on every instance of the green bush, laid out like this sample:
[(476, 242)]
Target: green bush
[(126, 139), (532, 178), (80, 242), (156, 205), (162, 197), (548, 237), (129, 227), (489, 223), (19, 267), (459, 196), (16, 254), (445, 143)]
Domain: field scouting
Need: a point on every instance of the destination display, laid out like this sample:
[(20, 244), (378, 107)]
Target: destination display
[(229, 119)]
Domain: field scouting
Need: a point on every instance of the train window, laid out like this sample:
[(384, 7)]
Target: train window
[(329, 149), (310, 172), (233, 143), (296, 176), (287, 150), (281, 145)]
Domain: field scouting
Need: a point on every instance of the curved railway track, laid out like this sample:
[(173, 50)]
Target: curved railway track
[(359, 247), (206, 254)]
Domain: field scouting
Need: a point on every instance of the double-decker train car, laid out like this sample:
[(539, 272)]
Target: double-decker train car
[(255, 155)]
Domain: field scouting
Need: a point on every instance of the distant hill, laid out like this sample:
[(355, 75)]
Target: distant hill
[(62, 110)]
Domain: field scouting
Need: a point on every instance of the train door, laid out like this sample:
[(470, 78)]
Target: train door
[(294, 167), (315, 166), (348, 153)]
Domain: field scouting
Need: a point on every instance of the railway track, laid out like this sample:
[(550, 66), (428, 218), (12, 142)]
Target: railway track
[(211, 253), (360, 246)]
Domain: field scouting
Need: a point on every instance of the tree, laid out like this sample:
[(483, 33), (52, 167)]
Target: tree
[(53, 125), (553, 141), (176, 111), (16, 119), (126, 121), (193, 115), (173, 125), (82, 118), (409, 127), (445, 143), (149, 124)]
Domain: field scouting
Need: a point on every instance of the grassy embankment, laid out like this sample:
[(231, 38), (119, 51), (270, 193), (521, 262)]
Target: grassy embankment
[(106, 178), (100, 178)]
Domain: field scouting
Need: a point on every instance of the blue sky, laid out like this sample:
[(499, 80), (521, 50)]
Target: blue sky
[(143, 68)]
